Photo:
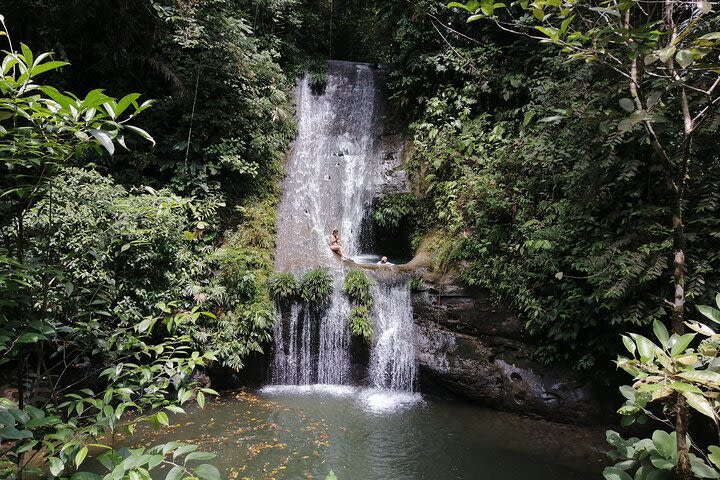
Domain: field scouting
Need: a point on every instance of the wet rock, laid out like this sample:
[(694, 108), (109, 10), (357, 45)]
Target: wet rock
[(470, 349)]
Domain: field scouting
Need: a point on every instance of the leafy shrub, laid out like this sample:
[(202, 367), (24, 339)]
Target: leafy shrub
[(395, 209), (284, 286), (415, 284), (317, 75), (129, 245), (562, 240), (316, 286), (360, 323), (318, 81), (357, 288)]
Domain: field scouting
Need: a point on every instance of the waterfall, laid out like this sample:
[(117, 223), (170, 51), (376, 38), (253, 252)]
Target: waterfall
[(392, 358), (340, 161)]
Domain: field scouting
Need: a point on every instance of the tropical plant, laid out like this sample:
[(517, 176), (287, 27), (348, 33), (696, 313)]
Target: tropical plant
[(652, 458), (360, 323), (316, 287), (78, 373), (137, 381), (358, 287), (664, 370), (393, 210), (284, 286)]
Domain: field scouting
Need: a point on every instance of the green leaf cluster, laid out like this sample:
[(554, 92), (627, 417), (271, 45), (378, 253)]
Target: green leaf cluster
[(360, 324), (284, 286), (392, 210), (316, 287), (358, 287), (667, 368), (650, 458)]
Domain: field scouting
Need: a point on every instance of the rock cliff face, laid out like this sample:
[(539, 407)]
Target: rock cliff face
[(471, 349)]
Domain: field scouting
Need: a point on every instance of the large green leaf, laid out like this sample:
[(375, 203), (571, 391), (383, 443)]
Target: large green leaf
[(684, 58), (56, 466), (714, 455), (680, 343), (702, 469), (701, 404), (613, 473), (661, 333), (702, 376), (175, 473), (629, 344), (710, 312), (199, 456), (104, 138), (665, 443), (207, 472), (47, 66), (646, 348), (142, 133)]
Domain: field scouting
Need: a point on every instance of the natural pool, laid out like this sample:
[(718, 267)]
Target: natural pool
[(361, 434)]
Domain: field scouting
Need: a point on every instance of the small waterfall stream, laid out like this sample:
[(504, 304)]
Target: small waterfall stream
[(392, 359), (340, 162)]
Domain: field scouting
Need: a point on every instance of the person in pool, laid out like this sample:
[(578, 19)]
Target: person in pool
[(384, 261), (335, 244)]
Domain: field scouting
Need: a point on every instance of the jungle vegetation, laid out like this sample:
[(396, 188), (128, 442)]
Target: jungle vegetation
[(555, 160), (137, 230)]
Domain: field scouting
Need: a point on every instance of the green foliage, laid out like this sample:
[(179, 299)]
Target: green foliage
[(317, 74), (650, 458), (357, 287), (360, 323), (669, 368), (284, 286), (77, 336), (71, 422), (393, 210), (316, 287), (415, 284), (563, 221), (239, 290), (664, 369)]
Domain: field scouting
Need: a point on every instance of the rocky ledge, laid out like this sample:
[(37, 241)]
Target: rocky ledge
[(471, 349)]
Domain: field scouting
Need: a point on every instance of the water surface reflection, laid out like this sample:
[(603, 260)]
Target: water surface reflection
[(290, 432)]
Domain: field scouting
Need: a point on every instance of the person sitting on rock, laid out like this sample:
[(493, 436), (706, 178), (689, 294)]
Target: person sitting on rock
[(335, 244)]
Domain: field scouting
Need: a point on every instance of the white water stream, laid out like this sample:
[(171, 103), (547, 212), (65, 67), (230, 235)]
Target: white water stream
[(341, 160)]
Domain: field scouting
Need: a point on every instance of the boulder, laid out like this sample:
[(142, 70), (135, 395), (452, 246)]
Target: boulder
[(471, 349)]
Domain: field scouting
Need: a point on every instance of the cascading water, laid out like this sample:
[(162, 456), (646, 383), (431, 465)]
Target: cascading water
[(341, 160), (392, 358)]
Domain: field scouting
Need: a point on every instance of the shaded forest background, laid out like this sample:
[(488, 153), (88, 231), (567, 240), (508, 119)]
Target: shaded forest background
[(129, 264), (517, 164)]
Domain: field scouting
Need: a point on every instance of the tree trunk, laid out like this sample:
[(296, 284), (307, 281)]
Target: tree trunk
[(678, 309), (683, 469)]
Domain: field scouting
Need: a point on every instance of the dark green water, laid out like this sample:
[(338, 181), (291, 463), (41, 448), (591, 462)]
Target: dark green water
[(302, 433)]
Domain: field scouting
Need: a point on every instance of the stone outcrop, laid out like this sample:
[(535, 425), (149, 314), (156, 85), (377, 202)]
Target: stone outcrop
[(471, 349)]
